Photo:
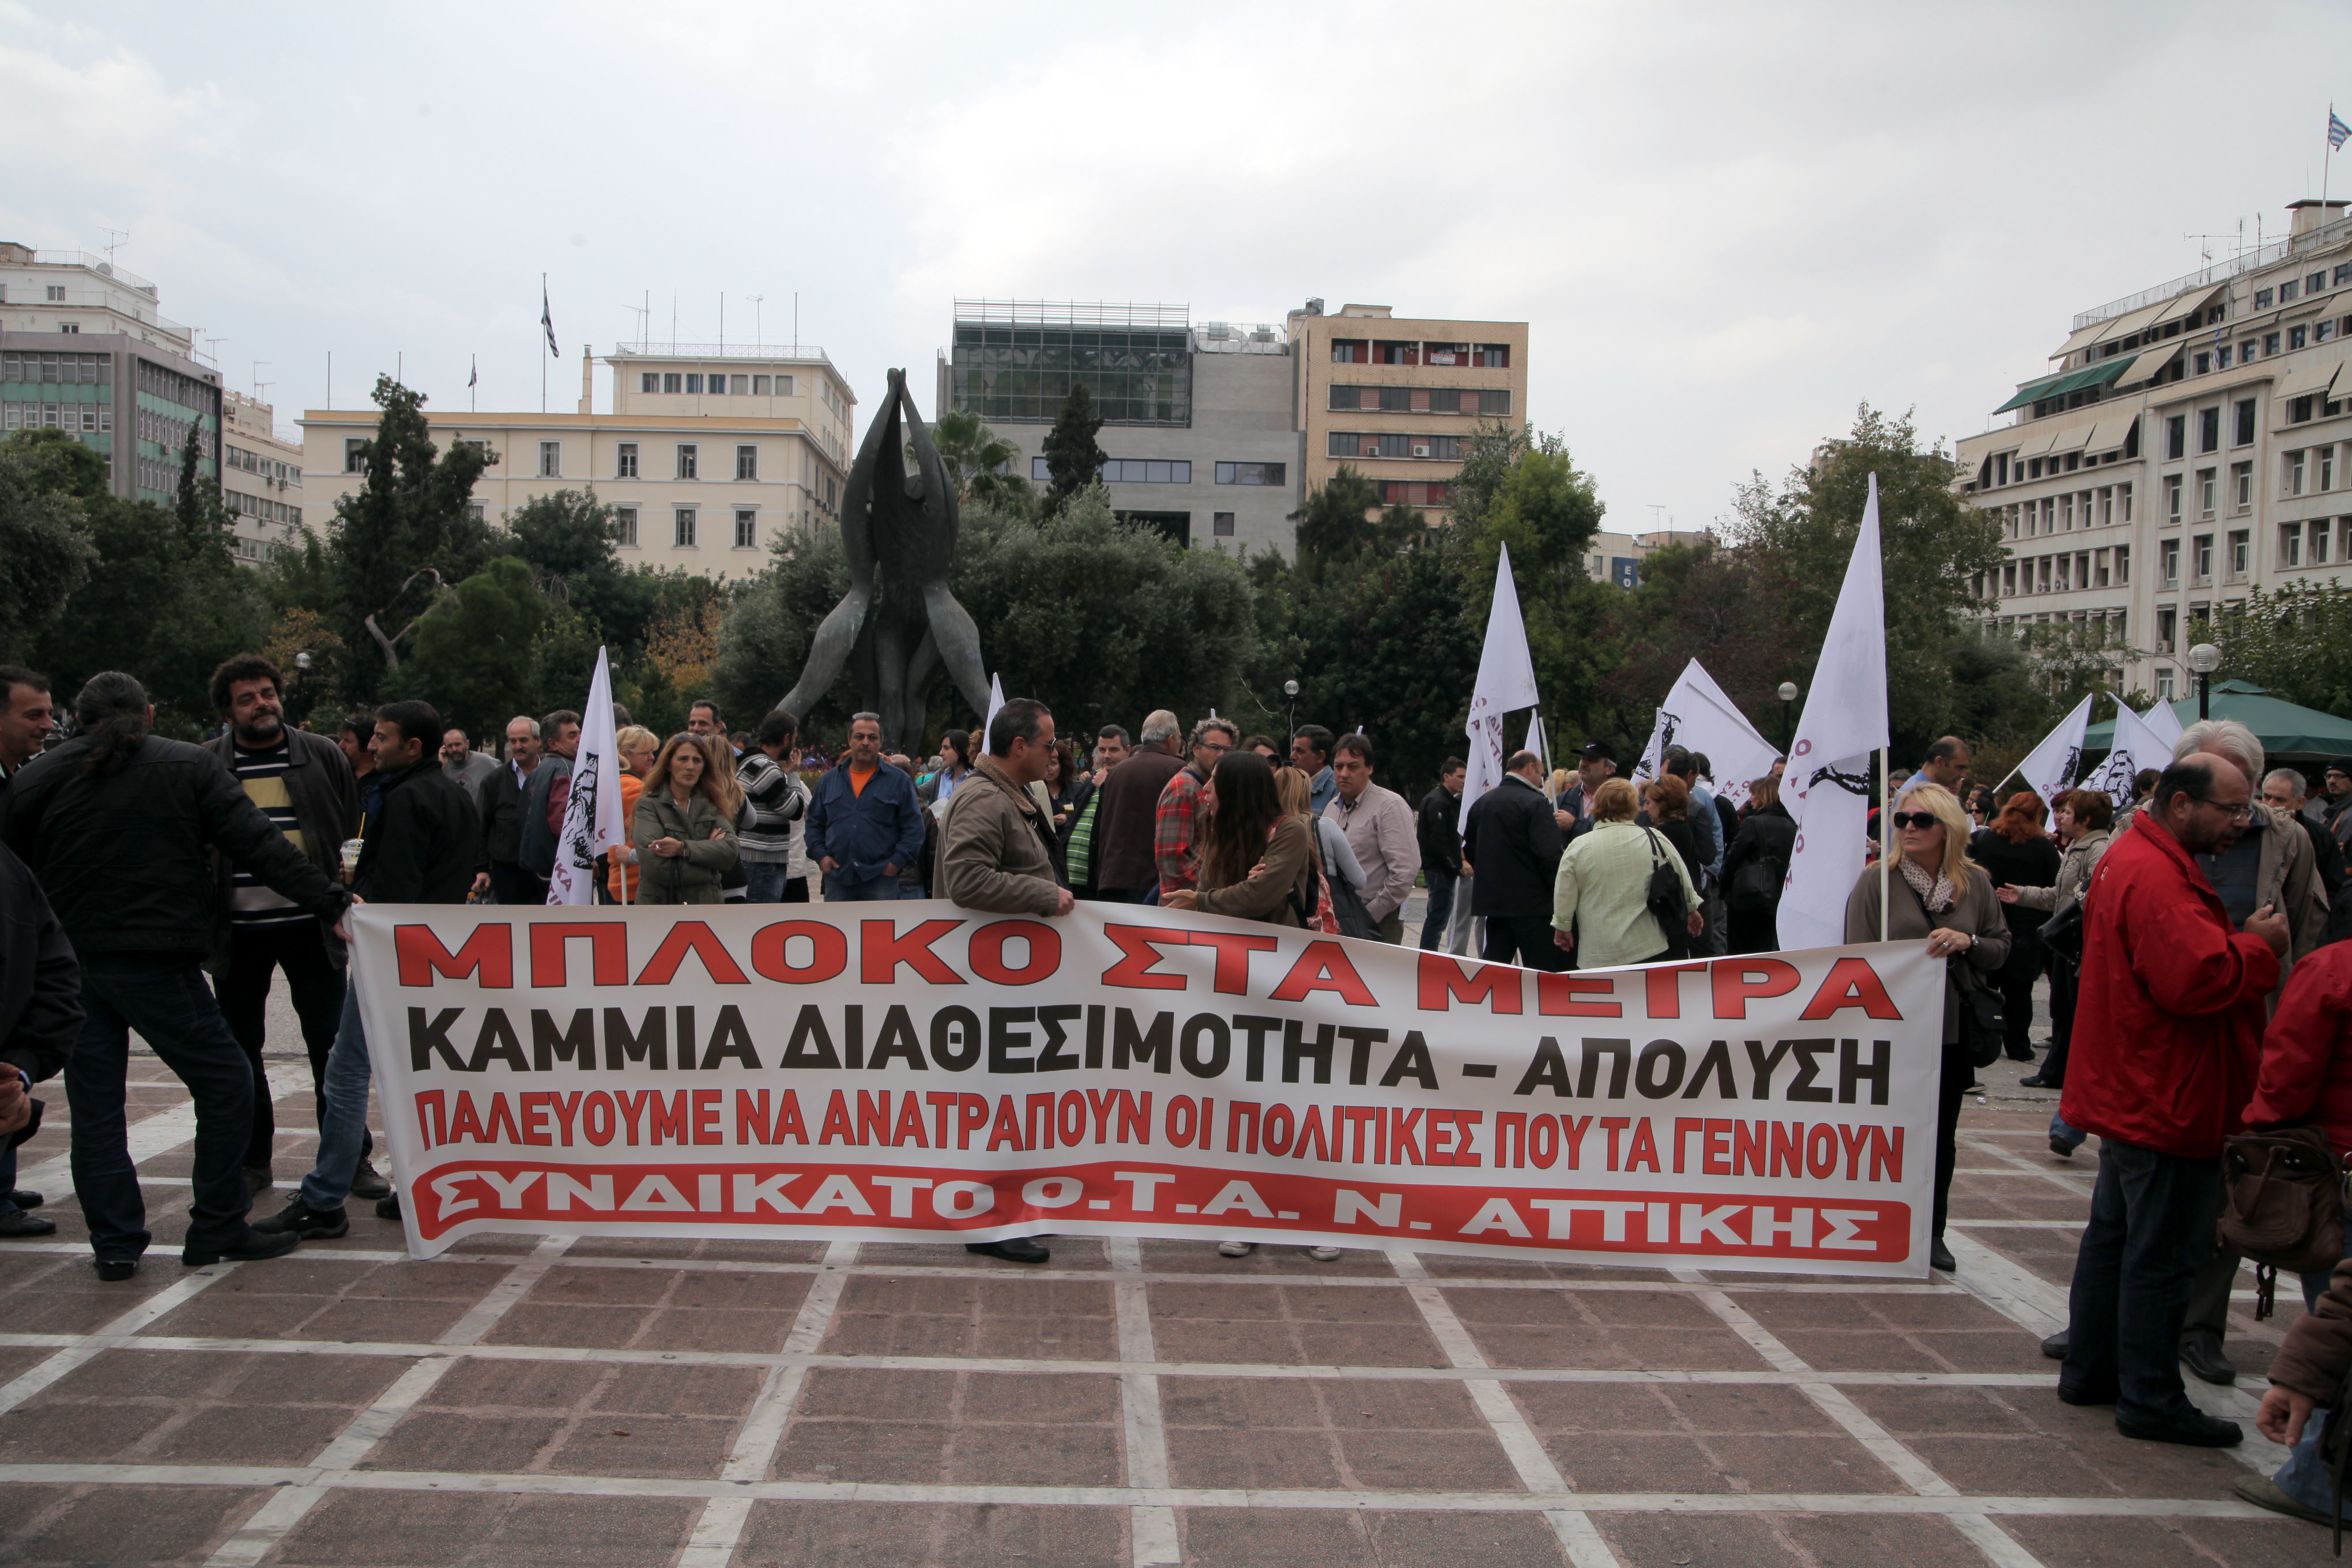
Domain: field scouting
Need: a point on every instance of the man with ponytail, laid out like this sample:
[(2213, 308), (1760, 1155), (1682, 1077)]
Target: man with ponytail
[(118, 825)]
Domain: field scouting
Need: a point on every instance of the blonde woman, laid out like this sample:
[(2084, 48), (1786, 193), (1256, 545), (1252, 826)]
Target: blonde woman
[(682, 827), (1936, 896), (637, 746), (1600, 897), (1298, 800)]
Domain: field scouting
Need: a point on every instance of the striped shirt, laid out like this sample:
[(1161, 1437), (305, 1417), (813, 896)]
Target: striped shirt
[(263, 774)]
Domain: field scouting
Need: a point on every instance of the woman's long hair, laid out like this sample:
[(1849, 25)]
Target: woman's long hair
[(111, 710), (1944, 807), (718, 759), (1294, 789), (711, 785), (2021, 819), (1233, 839)]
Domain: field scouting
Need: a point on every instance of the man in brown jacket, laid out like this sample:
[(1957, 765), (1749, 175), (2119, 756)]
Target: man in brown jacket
[(996, 854), (2306, 1375), (1126, 843)]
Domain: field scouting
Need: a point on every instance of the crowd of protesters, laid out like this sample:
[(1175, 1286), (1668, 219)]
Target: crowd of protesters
[(2197, 983)]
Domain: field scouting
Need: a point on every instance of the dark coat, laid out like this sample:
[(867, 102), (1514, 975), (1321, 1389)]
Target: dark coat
[(538, 850), (1769, 833), (125, 857), (501, 810), (40, 982), (422, 846), (325, 800), (1126, 847), (1514, 846), (864, 833), (1435, 826)]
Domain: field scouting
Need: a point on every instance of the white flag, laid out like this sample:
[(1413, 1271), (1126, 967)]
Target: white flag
[(1698, 717), (592, 814), (1827, 787), (1506, 681), (2137, 746), (995, 705), (2164, 724), (2051, 769)]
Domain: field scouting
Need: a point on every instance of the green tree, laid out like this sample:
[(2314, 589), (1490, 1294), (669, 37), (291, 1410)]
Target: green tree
[(402, 533), (1337, 521), (2296, 640), (46, 552), (475, 656), (980, 462), (1936, 546), (55, 461), (1547, 510), (1073, 461), (564, 535), (196, 500), (1707, 601)]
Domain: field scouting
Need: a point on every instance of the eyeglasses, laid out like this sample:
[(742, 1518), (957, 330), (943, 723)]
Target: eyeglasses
[(2244, 812), (1919, 819)]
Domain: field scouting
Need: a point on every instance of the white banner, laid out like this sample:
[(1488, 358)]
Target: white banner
[(591, 811), (2135, 747), (2053, 767), (913, 1072), (1507, 681), (1698, 717)]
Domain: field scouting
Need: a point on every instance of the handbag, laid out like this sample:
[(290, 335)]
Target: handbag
[(1757, 885), (2062, 934), (2283, 1204), (1984, 1025), (1665, 900)]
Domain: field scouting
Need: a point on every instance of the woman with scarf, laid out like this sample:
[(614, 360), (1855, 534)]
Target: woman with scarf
[(1935, 895)]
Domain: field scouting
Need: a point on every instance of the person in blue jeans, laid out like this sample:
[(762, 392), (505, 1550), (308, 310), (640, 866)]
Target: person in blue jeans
[(420, 848), (119, 826), (865, 824)]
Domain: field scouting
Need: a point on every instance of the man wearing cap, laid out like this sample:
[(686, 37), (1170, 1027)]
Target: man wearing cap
[(1594, 766)]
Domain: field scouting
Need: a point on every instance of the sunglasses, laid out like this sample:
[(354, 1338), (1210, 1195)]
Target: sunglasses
[(1919, 819)]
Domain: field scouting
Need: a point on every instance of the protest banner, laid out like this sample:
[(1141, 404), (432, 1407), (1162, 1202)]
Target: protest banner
[(915, 1072)]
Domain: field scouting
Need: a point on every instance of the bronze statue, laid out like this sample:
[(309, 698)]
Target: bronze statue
[(898, 617)]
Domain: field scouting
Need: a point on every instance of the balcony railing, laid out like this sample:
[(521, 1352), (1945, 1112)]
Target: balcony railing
[(98, 264), (2236, 266), (792, 352)]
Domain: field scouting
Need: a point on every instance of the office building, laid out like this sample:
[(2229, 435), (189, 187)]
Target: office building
[(261, 480), (1196, 421), (2187, 446), (84, 348), (710, 453), (1395, 399)]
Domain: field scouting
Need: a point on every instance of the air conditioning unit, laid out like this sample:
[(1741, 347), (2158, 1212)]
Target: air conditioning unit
[(1420, 451)]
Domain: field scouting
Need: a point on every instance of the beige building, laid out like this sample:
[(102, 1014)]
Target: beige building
[(708, 454), (261, 479), (1396, 398), (2187, 445)]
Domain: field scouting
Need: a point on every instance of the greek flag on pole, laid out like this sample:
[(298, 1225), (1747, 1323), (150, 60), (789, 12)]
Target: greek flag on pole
[(2337, 129), (547, 320)]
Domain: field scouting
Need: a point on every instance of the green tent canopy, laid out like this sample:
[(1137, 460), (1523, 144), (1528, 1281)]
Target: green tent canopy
[(2288, 732)]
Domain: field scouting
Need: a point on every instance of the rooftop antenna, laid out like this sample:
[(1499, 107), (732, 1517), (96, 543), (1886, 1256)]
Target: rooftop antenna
[(1655, 510), (212, 349), (722, 321), (758, 331), (258, 382), (119, 238)]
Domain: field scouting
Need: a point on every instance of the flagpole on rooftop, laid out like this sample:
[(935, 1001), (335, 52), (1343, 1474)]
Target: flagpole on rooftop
[(542, 347)]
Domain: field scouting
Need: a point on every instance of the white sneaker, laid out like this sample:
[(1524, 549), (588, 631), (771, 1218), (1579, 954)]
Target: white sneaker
[(1236, 1248), (1323, 1253)]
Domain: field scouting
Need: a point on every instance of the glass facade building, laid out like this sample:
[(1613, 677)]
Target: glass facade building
[(1016, 362)]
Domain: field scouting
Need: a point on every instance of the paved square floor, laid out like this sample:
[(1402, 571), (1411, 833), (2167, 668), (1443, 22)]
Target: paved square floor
[(582, 1401)]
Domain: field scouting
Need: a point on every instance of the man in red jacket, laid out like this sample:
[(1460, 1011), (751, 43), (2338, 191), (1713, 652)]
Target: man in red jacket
[(2168, 1038), (2306, 1077)]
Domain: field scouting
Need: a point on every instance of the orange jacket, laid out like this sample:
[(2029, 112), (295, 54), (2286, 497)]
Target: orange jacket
[(623, 877)]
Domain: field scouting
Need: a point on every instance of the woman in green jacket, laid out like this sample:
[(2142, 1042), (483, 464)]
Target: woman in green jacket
[(1601, 898), (684, 833)]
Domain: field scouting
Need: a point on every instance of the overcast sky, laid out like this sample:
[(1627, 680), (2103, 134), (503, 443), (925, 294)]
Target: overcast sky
[(1725, 225)]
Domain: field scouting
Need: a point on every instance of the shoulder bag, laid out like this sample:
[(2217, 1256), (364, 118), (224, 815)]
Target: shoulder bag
[(1665, 900), (1984, 1026), (2283, 1204)]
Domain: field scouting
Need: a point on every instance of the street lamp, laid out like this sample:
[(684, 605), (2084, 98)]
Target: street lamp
[(1787, 715), (1290, 689), (2203, 660)]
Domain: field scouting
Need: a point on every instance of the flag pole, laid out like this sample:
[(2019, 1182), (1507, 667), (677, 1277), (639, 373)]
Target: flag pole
[(542, 347), (1885, 830)]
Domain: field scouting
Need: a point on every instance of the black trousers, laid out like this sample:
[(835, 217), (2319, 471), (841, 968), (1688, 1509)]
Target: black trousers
[(2151, 1226), (316, 982), (2063, 983), (1524, 939), (1951, 1089), (513, 885), (2016, 980)]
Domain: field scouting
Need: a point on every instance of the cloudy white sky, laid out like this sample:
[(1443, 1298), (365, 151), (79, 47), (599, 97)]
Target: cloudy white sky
[(1726, 225)]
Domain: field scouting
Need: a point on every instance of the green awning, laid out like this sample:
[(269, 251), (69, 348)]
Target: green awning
[(2287, 732), (2099, 375)]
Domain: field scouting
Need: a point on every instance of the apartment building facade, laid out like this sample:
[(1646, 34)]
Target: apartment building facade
[(1396, 397), (261, 480), (2189, 446), (84, 348), (708, 454), (1196, 421)]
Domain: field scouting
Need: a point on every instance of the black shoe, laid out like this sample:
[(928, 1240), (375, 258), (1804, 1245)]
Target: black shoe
[(2191, 1429), (2040, 1081), (114, 1270), (368, 1183), (301, 1219), (1940, 1256), (2201, 1352), (2056, 1346), (18, 1225), (258, 1245), (2102, 1394), (2020, 1055), (388, 1207), (1017, 1250), (2060, 1147), (26, 1200)]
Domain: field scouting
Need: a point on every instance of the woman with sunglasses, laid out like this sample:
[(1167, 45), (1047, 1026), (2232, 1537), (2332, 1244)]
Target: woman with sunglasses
[(1937, 895)]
